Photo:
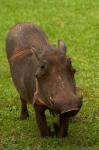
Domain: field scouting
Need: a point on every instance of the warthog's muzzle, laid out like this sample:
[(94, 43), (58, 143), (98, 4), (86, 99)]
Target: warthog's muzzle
[(69, 107)]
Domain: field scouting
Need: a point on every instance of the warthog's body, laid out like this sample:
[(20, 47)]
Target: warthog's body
[(43, 76)]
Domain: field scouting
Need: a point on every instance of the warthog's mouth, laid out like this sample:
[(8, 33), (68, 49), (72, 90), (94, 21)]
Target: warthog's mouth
[(71, 112)]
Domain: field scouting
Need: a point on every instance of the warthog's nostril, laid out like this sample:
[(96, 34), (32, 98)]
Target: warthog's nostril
[(68, 107)]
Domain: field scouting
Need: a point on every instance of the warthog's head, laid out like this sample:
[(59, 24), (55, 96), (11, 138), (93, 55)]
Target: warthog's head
[(56, 83)]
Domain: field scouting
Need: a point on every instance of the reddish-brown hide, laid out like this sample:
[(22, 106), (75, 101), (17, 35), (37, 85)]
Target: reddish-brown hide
[(43, 76)]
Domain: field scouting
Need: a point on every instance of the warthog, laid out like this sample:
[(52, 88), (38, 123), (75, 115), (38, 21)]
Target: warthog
[(43, 76)]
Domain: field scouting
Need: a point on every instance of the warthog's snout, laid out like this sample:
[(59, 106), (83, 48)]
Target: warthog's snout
[(69, 107)]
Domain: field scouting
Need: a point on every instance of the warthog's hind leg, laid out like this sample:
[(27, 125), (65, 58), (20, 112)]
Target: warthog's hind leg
[(24, 111)]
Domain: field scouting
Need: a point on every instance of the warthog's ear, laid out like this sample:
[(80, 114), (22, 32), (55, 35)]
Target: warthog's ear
[(62, 46)]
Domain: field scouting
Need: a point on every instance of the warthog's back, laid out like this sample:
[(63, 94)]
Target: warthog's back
[(19, 43), (23, 37)]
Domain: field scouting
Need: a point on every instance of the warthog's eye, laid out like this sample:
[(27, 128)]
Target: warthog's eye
[(69, 60), (44, 66), (69, 66), (41, 69), (73, 70)]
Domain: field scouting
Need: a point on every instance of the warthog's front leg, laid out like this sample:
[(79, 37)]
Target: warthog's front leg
[(42, 123), (62, 128)]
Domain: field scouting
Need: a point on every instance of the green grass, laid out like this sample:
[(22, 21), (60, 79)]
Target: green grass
[(77, 22)]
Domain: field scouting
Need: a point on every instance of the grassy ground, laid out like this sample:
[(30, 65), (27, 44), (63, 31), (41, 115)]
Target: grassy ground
[(77, 22)]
